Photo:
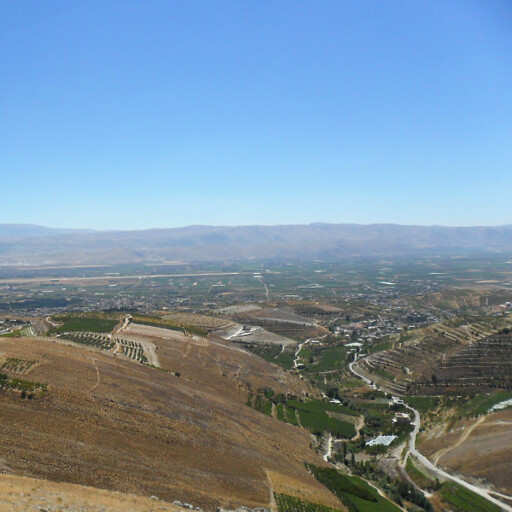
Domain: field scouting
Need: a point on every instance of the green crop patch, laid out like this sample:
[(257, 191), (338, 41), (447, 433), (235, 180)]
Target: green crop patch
[(356, 494), (334, 358), (7, 382), (89, 323), (313, 416), (461, 499), (422, 403), (480, 404), (290, 416), (420, 478)]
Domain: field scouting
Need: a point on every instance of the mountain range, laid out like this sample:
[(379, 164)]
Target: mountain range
[(29, 244)]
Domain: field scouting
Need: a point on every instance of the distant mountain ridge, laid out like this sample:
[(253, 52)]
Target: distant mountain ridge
[(27, 230), (39, 245)]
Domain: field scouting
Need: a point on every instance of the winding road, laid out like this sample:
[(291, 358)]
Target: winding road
[(439, 473)]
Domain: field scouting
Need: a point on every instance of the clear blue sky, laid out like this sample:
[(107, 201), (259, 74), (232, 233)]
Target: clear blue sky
[(136, 114)]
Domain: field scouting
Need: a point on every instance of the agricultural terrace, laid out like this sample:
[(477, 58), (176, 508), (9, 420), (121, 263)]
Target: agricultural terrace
[(130, 348), (167, 323), (18, 366)]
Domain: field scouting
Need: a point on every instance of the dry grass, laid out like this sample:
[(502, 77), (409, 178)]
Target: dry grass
[(284, 484), (20, 494), (202, 321), (114, 424)]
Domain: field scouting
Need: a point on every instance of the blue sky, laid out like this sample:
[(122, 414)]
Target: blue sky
[(134, 114)]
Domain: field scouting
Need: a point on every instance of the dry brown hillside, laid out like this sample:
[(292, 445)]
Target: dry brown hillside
[(112, 423)]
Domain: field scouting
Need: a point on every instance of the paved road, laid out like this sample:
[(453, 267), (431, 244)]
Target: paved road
[(439, 473)]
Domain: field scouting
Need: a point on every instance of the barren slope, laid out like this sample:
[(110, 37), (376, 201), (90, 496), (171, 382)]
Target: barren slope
[(115, 424), (485, 453), (22, 494)]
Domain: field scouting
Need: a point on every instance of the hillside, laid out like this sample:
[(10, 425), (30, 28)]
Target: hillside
[(207, 243), (19, 494), (463, 353), (33, 230), (185, 434)]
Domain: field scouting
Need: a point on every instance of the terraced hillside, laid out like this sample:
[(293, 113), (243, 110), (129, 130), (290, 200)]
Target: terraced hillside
[(456, 353), (182, 432), (484, 363)]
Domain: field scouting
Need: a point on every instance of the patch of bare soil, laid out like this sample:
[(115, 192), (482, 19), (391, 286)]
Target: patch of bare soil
[(21, 494)]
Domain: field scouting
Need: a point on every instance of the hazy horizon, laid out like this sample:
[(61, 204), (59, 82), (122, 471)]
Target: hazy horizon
[(277, 224)]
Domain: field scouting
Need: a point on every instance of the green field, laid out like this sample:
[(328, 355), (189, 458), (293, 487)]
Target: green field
[(461, 499), (333, 358), (290, 416), (354, 492), (422, 403), (314, 417), (285, 359), (74, 323), (420, 478), (379, 347), (384, 374), (480, 404), (273, 354), (313, 414)]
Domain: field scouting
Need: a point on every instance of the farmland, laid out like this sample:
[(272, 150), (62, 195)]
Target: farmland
[(77, 322), (354, 492), (317, 416), (222, 342), (461, 500)]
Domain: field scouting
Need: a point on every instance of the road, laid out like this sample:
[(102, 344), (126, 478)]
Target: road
[(51, 322), (297, 352), (300, 345), (328, 451), (111, 277), (127, 319), (296, 360), (267, 291), (439, 473)]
